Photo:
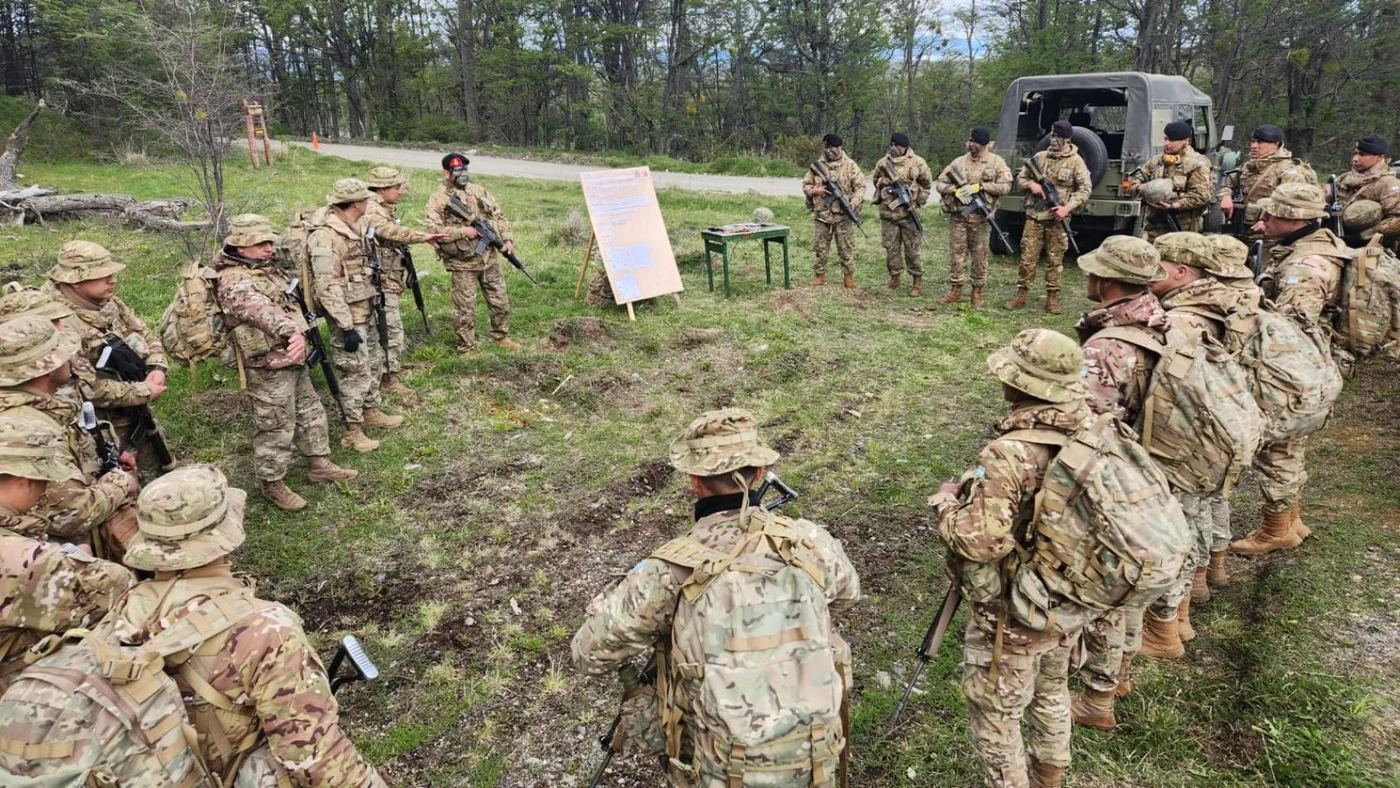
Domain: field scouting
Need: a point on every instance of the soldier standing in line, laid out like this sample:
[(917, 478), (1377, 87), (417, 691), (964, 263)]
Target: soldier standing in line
[(1063, 166), (1371, 180), (978, 171), (269, 333), (470, 269), (1269, 165), (982, 518), (897, 232), (830, 219), (1186, 172), (345, 292), (387, 186)]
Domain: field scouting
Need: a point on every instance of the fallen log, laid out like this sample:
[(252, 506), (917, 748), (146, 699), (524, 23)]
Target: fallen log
[(14, 147), (158, 215)]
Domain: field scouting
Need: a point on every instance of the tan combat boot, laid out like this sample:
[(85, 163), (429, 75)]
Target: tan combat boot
[(1093, 708), (1274, 533), (1216, 574), (1052, 303), (976, 298), (1160, 638), (1299, 527), (391, 382), (849, 282), (374, 417), (356, 439), (1125, 677), (282, 496), (1018, 301), (1045, 776), (1200, 592), (323, 470), (918, 288), (818, 280), (507, 343), (894, 282), (1184, 630), (954, 295)]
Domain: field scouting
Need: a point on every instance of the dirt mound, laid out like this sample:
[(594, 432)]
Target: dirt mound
[(573, 330)]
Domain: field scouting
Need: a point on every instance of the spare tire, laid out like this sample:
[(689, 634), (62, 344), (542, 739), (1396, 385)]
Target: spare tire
[(1091, 149)]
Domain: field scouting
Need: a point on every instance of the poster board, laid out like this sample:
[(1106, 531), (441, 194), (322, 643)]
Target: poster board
[(631, 235)]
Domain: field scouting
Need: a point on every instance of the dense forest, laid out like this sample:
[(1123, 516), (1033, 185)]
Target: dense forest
[(694, 79)]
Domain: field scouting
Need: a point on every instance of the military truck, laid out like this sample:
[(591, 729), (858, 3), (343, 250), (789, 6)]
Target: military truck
[(1119, 119)]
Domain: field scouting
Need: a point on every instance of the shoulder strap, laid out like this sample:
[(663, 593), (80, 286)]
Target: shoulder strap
[(1135, 335), (1040, 436), (212, 618)]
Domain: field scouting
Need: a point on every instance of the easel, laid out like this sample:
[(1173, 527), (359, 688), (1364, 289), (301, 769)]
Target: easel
[(256, 123), (583, 272)]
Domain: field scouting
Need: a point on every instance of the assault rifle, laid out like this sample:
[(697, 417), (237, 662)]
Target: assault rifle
[(1256, 259), (901, 198), (362, 668), (1236, 196), (1052, 199), (411, 279), (121, 362), (316, 353), (1334, 207), (978, 204), (486, 235), (107, 453), (836, 195), (933, 638), (377, 302)]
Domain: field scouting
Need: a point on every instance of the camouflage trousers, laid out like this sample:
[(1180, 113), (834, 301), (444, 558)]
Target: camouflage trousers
[(1032, 676), (901, 242), (845, 237), (260, 769), (1050, 236), (1197, 509), (1154, 223), (1220, 534), (1281, 471), (360, 372), (1107, 640), (493, 285), (965, 236), (396, 340), (289, 416)]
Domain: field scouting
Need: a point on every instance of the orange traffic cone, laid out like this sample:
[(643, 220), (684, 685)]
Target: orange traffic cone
[(315, 143)]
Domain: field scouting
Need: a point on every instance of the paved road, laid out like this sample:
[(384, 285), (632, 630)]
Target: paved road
[(555, 171)]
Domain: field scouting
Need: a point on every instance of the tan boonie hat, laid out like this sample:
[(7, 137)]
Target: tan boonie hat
[(30, 347), (1298, 201), (1361, 214), (30, 446), (348, 190), (1044, 364), (26, 302), (721, 441), (187, 518), (80, 261), (1232, 256), (385, 177), (249, 229), (1125, 258), (1185, 248)]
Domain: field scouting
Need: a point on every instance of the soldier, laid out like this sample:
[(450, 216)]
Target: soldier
[(777, 677), (344, 290), (268, 333), (258, 695), (978, 171), (459, 253), (829, 217), (90, 503), (1188, 174), (1063, 166), (85, 279), (46, 588), (1269, 165), (897, 232), (982, 519), (387, 186), (1371, 179)]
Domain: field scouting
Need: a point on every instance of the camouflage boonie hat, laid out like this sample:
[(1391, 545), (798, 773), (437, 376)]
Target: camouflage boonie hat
[(27, 302), (720, 441), (1186, 248), (1125, 258), (30, 446), (1298, 201), (1044, 364), (30, 347), (348, 190), (1360, 214), (1157, 190), (1232, 256), (249, 229), (80, 261), (187, 518), (385, 177)]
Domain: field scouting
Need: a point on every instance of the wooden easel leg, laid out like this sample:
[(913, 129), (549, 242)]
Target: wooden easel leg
[(194, 376), (631, 313), (587, 256), (677, 296)]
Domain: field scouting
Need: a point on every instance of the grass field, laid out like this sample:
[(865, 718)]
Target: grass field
[(467, 549)]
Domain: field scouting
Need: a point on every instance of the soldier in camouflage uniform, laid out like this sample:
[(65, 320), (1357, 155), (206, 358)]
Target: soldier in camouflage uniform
[(1269, 165), (646, 610), (268, 332), (1063, 166), (978, 171), (459, 255), (1189, 173), (830, 220), (261, 690), (897, 233), (983, 520), (1371, 178), (386, 187), (44, 589), (344, 291), (85, 279)]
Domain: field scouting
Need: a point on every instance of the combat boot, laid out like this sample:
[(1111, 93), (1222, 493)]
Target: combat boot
[(391, 382), (954, 295), (282, 496), (1216, 574), (976, 298), (894, 282), (1125, 677), (374, 417), (1274, 533), (507, 343), (1052, 303), (818, 280), (1299, 527), (849, 282), (1093, 708), (918, 288), (323, 470), (1045, 776), (1018, 301), (356, 439), (1160, 638), (1184, 630), (1200, 592)]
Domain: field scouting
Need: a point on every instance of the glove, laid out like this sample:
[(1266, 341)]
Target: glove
[(966, 192), (352, 340)]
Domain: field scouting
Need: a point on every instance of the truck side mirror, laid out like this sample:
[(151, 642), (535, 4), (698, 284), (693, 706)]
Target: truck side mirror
[(1228, 133)]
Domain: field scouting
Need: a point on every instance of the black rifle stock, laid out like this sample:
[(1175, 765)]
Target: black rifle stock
[(835, 194), (107, 453), (121, 362), (933, 638), (899, 193), (1052, 199), (487, 236), (1334, 207), (1256, 258), (411, 279), (1237, 197), (978, 204), (316, 353), (377, 302)]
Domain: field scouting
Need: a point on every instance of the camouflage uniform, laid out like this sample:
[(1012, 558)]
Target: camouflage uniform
[(469, 269), (94, 324), (983, 525), (971, 233), (1257, 179), (393, 237), (645, 611), (897, 233), (829, 220), (1189, 173), (259, 683), (1066, 169), (43, 589), (1380, 185)]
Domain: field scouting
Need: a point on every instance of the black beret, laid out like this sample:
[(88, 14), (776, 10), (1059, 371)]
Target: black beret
[(1177, 130), (1062, 128), (832, 141), (980, 135), (1373, 145), (454, 160), (900, 138), (1268, 133)]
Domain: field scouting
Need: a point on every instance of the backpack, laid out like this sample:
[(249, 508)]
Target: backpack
[(1198, 418), (95, 712), (192, 326), (1366, 307), (770, 673), (1107, 530), (294, 253)]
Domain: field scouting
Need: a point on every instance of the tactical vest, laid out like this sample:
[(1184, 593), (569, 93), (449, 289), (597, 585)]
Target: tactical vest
[(356, 281), (463, 248), (253, 342)]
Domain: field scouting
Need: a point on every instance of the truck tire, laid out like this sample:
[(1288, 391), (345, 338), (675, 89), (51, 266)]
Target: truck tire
[(1091, 149)]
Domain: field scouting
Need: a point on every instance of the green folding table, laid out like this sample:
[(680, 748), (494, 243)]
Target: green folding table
[(718, 239)]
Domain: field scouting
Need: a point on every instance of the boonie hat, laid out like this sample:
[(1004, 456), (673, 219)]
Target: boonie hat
[(1232, 256), (1185, 248), (385, 177), (30, 347), (80, 261), (348, 190), (186, 519), (721, 441), (30, 446), (1125, 258), (249, 229), (28, 302), (1044, 364), (1298, 201)]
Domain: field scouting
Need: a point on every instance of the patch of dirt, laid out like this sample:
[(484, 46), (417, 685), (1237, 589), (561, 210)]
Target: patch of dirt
[(609, 504), (349, 602), (576, 330), (222, 404), (798, 302), (694, 337)]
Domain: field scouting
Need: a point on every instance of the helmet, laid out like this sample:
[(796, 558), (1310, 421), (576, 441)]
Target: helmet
[(1157, 190), (762, 215), (1361, 214)]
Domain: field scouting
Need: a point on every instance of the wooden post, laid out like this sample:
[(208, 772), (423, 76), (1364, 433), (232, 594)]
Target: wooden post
[(248, 124), (631, 313), (587, 256), (266, 138)]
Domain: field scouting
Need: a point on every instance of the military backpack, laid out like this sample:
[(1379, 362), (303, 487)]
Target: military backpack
[(293, 251), (192, 326), (1365, 307)]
